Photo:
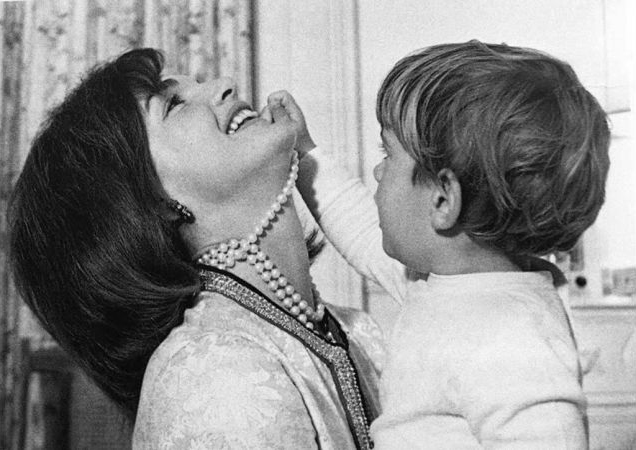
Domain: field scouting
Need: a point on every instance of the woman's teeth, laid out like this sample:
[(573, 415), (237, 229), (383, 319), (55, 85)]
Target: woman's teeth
[(239, 119)]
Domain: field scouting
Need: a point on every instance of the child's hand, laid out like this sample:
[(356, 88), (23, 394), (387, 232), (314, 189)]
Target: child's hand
[(283, 99)]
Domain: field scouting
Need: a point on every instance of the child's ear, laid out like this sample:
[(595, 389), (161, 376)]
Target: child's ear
[(447, 200)]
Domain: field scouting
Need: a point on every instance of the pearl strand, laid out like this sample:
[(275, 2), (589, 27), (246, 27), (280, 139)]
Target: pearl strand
[(227, 254)]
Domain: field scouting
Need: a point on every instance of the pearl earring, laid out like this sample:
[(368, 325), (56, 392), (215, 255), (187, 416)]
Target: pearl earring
[(185, 215)]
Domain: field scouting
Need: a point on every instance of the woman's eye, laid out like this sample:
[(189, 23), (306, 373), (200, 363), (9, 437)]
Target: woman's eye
[(175, 100)]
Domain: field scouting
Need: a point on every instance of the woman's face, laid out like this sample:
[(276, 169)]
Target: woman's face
[(206, 143)]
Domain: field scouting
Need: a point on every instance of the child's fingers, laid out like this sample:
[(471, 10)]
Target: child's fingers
[(286, 99), (279, 97), (266, 114), (279, 113)]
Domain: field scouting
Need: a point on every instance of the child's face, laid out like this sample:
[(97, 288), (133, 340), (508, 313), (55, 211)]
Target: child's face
[(404, 208)]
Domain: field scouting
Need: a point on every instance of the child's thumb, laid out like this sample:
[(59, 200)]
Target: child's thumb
[(279, 113)]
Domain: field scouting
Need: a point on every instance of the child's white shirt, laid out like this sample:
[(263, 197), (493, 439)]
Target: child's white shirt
[(482, 360), (474, 361)]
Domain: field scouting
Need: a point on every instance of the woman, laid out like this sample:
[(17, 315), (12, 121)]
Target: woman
[(208, 299)]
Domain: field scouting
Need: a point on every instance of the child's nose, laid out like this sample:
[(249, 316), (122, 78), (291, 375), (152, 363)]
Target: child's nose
[(377, 171)]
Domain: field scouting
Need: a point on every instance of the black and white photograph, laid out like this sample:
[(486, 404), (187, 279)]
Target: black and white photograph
[(318, 224)]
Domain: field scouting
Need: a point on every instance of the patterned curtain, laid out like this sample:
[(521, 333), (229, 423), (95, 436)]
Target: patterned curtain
[(46, 46)]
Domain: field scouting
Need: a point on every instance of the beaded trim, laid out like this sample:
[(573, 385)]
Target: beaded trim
[(333, 354)]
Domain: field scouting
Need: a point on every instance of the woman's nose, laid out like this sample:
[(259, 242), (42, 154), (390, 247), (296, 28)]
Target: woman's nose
[(223, 89)]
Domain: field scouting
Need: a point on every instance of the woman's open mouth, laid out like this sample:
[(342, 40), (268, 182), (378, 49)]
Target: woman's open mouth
[(240, 119)]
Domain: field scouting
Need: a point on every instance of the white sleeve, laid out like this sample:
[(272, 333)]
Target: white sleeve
[(347, 214)]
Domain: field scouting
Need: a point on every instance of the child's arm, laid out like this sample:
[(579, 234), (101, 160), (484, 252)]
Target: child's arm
[(347, 214), (344, 208)]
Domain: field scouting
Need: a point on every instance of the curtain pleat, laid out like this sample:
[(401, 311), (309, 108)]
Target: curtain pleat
[(46, 47)]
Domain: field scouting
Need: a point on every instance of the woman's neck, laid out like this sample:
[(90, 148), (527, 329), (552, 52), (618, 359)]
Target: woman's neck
[(283, 242)]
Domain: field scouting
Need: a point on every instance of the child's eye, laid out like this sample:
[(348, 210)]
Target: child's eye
[(174, 100), (382, 148)]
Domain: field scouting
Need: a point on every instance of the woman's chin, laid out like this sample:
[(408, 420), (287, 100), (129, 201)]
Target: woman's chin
[(268, 141)]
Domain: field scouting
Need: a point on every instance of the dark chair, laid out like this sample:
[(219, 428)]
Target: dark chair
[(45, 419), (67, 411)]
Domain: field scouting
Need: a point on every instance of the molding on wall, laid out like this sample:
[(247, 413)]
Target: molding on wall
[(624, 400), (312, 51), (344, 104), (345, 80)]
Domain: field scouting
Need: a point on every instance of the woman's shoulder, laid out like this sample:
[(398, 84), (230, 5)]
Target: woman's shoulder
[(214, 381), (365, 331), (356, 321), (214, 325)]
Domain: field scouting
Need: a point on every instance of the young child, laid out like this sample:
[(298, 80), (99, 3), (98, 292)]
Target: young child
[(494, 153)]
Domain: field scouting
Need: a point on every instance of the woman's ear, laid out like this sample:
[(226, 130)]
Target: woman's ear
[(447, 200)]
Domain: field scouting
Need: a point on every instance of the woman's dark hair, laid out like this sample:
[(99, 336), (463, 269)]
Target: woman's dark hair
[(94, 254)]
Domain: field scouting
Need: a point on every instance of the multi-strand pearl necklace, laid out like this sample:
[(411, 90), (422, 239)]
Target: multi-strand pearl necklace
[(227, 254)]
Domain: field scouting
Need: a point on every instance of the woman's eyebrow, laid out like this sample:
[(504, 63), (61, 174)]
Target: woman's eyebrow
[(164, 86)]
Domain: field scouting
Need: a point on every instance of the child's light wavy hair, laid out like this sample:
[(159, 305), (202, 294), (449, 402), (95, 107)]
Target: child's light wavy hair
[(527, 142)]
